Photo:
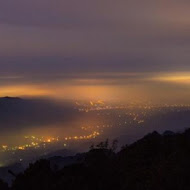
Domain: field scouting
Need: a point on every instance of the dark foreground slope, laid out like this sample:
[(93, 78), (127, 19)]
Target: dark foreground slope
[(156, 162)]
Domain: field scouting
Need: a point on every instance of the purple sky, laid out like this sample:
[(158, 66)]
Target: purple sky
[(66, 46)]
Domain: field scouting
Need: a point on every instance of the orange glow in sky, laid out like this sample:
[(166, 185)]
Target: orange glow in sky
[(23, 90), (178, 78), (146, 86)]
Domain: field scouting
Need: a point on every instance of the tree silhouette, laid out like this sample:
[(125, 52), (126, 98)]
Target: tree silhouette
[(3, 185), (159, 162)]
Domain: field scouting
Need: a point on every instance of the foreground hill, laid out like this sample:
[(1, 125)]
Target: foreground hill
[(154, 162)]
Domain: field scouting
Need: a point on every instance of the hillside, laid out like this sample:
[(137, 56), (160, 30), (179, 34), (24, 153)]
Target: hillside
[(153, 162)]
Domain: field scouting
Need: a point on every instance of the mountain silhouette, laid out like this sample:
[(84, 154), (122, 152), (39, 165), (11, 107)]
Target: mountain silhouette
[(157, 161)]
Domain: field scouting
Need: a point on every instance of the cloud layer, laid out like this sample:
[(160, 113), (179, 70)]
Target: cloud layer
[(69, 42)]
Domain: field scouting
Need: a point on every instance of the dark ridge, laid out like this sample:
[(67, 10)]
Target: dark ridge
[(153, 162)]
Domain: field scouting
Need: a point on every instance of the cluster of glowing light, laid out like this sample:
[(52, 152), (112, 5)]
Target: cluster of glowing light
[(83, 137), (141, 121), (38, 142), (4, 147), (41, 139), (97, 106), (32, 142)]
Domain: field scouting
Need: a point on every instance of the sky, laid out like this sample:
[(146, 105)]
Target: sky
[(96, 49)]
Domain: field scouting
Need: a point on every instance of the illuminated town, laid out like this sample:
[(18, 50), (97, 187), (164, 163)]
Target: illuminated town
[(107, 117), (42, 142)]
